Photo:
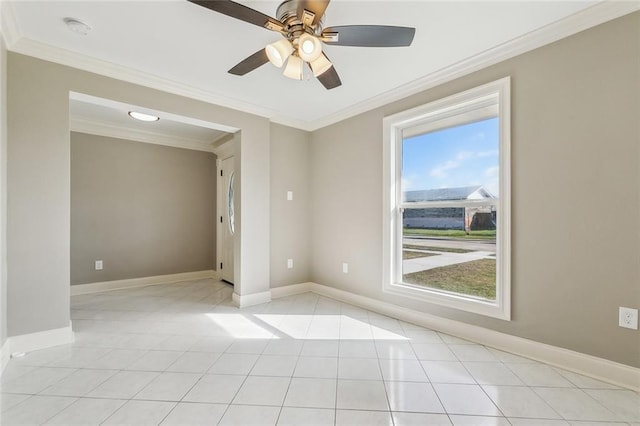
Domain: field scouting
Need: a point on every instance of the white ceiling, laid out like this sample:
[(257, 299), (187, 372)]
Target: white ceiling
[(104, 117), (185, 46)]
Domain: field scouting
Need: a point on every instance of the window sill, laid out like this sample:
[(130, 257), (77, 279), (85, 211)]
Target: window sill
[(495, 309)]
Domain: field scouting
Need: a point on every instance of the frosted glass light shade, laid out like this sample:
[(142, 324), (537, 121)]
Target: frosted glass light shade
[(278, 52), (309, 47), (294, 68), (320, 65)]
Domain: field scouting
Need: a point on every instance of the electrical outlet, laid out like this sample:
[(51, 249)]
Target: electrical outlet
[(289, 195), (628, 318), (289, 263), (345, 268), (98, 265)]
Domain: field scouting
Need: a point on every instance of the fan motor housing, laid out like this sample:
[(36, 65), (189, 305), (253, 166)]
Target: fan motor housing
[(287, 13)]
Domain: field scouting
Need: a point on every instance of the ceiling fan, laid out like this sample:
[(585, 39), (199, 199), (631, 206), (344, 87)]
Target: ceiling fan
[(300, 23)]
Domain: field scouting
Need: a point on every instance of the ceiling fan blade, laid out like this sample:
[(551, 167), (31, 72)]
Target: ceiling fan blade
[(241, 12), (317, 7), (330, 79), (251, 63), (369, 35)]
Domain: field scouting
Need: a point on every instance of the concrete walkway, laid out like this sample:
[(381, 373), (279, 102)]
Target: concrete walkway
[(441, 259), (475, 245)]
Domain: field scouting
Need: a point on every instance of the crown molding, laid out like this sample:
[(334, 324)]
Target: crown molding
[(597, 14), (18, 43), (9, 24), (101, 129), (223, 147)]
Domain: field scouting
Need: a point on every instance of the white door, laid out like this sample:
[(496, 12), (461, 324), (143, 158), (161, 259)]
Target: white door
[(227, 220)]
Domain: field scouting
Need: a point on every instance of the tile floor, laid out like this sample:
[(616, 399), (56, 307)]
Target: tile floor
[(180, 354)]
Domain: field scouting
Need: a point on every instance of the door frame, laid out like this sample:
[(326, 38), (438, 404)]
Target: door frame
[(223, 151)]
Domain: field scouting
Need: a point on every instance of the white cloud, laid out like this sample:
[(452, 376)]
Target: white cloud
[(483, 154), (440, 171), (464, 155), (492, 171), (408, 183)]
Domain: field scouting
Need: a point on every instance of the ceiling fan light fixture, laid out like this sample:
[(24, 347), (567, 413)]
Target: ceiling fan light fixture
[(309, 47), (294, 68), (320, 65), (278, 52)]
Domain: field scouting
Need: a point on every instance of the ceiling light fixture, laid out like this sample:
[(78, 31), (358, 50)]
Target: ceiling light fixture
[(77, 26), (279, 51), (309, 47), (301, 23), (143, 117), (294, 68)]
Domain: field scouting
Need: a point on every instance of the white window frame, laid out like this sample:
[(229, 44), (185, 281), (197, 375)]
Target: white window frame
[(471, 105)]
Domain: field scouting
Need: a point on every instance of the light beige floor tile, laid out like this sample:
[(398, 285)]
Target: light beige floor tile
[(213, 388), (311, 393), (195, 414), (138, 413), (87, 411), (292, 416), (244, 415)]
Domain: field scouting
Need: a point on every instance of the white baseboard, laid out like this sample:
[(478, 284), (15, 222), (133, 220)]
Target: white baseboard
[(291, 290), (588, 365), (99, 287), (40, 340), (251, 299)]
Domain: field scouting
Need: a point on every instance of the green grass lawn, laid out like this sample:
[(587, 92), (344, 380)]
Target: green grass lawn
[(451, 233), (476, 278), (441, 249), (414, 254)]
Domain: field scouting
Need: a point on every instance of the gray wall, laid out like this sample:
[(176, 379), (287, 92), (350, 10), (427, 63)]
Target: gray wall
[(38, 181), (290, 220), (142, 209), (576, 192)]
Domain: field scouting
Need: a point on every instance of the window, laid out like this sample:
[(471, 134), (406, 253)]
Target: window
[(447, 201)]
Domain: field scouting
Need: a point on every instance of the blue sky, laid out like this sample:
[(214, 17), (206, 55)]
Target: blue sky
[(457, 156)]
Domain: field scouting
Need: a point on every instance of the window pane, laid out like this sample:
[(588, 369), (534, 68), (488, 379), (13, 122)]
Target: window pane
[(451, 249), (455, 163), (447, 207)]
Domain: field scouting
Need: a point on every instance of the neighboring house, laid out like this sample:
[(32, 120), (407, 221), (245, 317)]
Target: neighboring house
[(468, 218)]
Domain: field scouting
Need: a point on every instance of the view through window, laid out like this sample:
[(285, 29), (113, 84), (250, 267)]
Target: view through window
[(446, 210), (450, 190)]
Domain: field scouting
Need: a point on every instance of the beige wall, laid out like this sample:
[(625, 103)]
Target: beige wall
[(38, 211), (290, 220), (574, 133), (3, 192), (143, 209), (576, 193)]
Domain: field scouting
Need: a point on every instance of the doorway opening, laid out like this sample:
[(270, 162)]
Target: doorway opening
[(147, 206)]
